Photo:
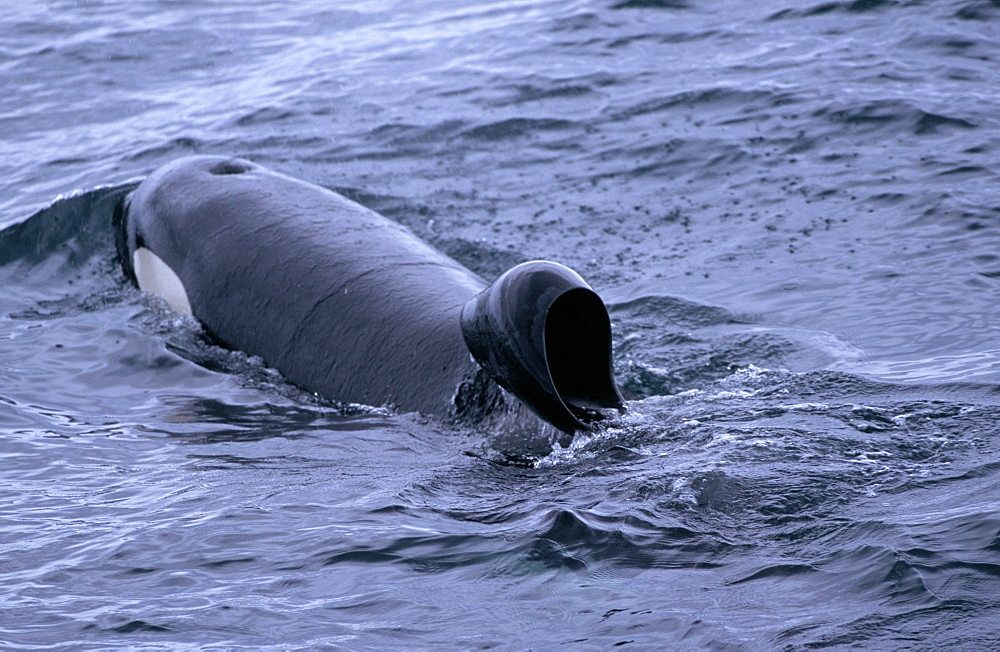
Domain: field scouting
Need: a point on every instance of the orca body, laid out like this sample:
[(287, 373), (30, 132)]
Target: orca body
[(353, 306)]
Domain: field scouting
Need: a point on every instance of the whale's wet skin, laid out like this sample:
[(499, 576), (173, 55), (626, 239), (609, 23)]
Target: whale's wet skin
[(789, 210), (354, 307)]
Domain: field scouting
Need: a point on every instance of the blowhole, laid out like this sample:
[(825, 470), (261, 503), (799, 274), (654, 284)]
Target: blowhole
[(229, 167)]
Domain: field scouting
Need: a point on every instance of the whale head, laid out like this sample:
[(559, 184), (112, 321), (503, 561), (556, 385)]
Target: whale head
[(544, 335)]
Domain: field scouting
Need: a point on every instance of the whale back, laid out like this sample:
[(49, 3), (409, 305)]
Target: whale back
[(353, 306), (545, 336), (343, 301)]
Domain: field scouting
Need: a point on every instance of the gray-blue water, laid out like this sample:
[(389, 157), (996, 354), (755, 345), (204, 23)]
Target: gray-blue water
[(791, 208)]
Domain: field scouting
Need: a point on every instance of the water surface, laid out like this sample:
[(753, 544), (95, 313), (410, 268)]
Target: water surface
[(790, 208)]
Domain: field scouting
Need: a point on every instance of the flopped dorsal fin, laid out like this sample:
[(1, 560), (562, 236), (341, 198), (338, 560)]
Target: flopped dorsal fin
[(544, 335)]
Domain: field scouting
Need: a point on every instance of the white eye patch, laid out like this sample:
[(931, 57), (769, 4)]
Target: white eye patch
[(156, 277)]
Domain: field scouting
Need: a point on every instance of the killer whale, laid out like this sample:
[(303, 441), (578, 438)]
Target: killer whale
[(354, 307)]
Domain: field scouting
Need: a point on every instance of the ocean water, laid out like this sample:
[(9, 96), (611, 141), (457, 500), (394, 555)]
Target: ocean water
[(792, 210)]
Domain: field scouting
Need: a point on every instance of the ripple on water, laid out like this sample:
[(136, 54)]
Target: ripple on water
[(789, 208)]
